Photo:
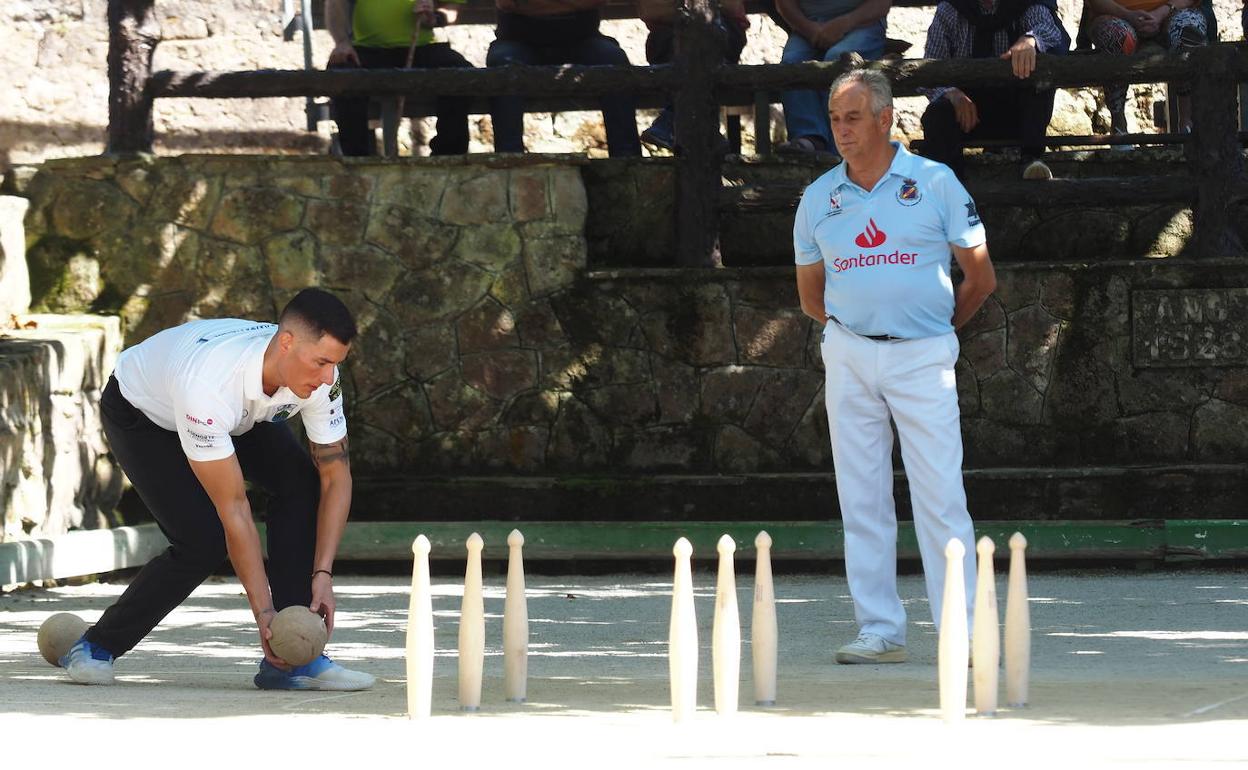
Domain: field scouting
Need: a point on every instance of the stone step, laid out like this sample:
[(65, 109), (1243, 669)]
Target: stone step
[(1173, 492)]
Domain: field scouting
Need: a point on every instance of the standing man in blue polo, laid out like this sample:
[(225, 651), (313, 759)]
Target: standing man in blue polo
[(874, 239)]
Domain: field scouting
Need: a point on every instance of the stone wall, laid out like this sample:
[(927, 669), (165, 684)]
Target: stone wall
[(487, 348), (56, 102), (55, 470), (14, 281)]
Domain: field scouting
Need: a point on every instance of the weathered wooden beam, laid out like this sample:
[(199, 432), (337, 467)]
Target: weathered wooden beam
[(1214, 156), (699, 54), (1126, 190), (567, 80), (133, 34), (909, 75)]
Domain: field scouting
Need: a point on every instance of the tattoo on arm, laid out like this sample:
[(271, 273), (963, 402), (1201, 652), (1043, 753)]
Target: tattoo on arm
[(324, 454)]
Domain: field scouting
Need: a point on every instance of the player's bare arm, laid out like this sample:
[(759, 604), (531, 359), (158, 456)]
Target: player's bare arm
[(979, 280), (223, 481), (333, 463), (810, 280)]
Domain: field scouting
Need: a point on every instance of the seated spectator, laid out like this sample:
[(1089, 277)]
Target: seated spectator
[(377, 34), (660, 18), (557, 32), (822, 30), (1118, 28), (1008, 29)]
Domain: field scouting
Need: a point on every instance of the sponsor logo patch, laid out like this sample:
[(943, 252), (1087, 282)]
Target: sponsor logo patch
[(335, 391), (283, 413), (908, 194), (871, 237), (834, 204)]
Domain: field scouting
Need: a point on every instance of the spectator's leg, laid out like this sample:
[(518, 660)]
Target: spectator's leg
[(1035, 110), (805, 112), (942, 136), (618, 111), (1115, 36), (660, 48), (351, 112), (452, 137), (867, 41), (1185, 29), (508, 111)]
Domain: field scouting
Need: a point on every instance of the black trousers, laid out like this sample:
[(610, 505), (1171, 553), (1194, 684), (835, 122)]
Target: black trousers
[(351, 112), (1021, 114), (153, 460)]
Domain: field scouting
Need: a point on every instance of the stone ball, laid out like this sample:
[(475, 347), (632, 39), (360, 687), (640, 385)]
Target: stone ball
[(299, 635), (58, 633)]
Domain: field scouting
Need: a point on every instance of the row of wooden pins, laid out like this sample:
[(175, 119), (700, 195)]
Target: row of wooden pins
[(985, 643), (725, 631), (420, 641)]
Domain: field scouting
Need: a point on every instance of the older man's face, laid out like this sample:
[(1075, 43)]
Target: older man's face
[(858, 132)]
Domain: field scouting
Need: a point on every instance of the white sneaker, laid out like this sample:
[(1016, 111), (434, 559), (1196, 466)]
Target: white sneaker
[(320, 674), (88, 663), (871, 648)]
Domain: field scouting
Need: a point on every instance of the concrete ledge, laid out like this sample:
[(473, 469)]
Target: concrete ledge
[(79, 553)]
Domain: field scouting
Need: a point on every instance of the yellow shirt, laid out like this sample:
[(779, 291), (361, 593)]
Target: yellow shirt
[(387, 24)]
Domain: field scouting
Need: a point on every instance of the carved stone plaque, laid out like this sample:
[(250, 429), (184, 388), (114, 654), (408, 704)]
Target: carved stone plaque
[(1189, 327)]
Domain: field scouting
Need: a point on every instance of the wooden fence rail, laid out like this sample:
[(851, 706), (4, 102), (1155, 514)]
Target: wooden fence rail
[(1214, 184)]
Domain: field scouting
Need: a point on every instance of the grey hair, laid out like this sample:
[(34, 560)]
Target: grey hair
[(876, 82)]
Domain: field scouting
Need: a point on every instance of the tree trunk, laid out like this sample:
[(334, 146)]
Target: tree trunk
[(699, 55), (133, 34), (1213, 154)]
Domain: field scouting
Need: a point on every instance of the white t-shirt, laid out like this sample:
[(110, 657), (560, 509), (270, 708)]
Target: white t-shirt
[(886, 252), (203, 380)]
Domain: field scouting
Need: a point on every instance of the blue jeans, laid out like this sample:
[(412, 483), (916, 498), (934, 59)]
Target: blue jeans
[(806, 112), (617, 109)]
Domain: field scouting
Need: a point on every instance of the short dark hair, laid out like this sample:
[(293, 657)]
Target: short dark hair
[(320, 313)]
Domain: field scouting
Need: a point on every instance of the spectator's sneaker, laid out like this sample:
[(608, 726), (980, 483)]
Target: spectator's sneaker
[(320, 674), (660, 134), (802, 145), (1037, 169), (88, 663), (871, 648)]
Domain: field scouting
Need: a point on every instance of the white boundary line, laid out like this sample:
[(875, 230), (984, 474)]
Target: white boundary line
[(1212, 706)]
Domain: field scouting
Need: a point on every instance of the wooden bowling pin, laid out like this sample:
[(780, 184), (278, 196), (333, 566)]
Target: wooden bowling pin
[(472, 630), (986, 641), (726, 633), (952, 650), (764, 633), (683, 637), (420, 634), (515, 623), (1017, 626)]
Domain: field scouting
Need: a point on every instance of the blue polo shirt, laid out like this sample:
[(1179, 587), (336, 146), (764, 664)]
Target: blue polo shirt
[(886, 252)]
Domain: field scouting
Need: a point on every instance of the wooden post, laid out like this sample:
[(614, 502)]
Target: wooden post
[(1213, 153), (133, 34), (699, 53)]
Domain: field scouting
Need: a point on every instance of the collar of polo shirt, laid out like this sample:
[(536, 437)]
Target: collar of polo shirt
[(902, 166)]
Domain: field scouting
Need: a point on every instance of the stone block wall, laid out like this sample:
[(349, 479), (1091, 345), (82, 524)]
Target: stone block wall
[(55, 470), (489, 348), (14, 281)]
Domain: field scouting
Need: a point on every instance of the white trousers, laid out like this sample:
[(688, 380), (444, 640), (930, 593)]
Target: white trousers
[(913, 381)]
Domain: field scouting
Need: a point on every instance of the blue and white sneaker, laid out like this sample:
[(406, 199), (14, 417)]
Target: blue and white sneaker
[(88, 663), (320, 674)]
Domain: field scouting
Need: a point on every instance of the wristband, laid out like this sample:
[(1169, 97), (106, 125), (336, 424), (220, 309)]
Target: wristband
[(319, 571)]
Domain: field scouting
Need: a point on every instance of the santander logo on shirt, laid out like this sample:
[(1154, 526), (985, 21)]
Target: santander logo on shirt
[(872, 237)]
